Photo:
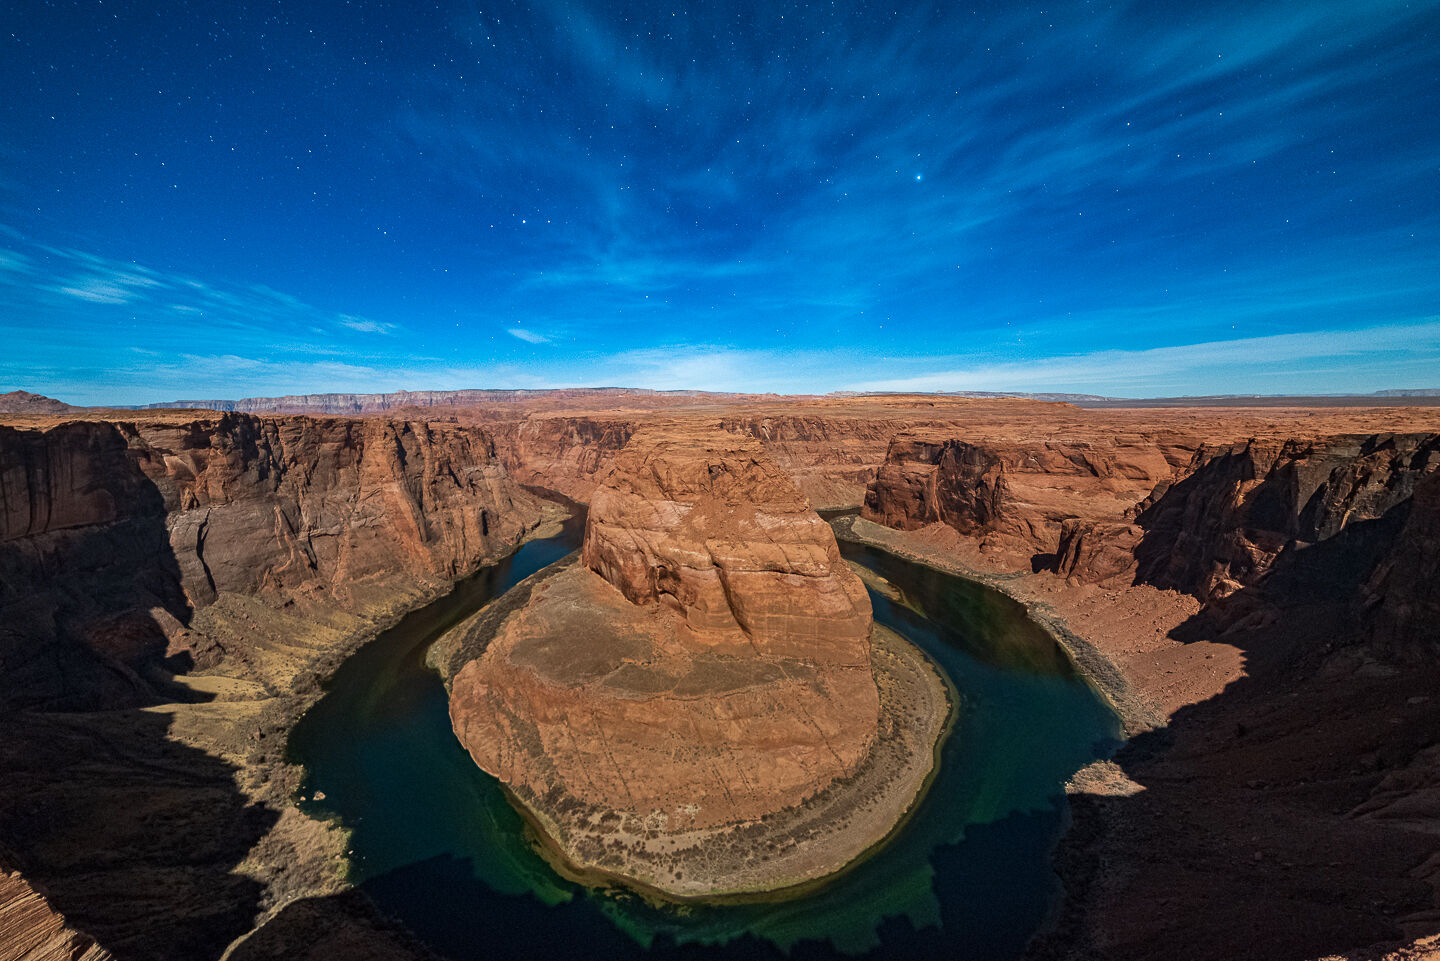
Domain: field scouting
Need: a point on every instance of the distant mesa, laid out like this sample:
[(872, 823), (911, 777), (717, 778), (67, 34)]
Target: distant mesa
[(24, 402), (341, 403)]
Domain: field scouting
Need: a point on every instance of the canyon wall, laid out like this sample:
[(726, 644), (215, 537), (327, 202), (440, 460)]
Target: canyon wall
[(1271, 600), (568, 454), (831, 457), (829, 452), (112, 534), (1016, 497), (1238, 509), (1206, 519), (172, 588), (940, 481), (1402, 598)]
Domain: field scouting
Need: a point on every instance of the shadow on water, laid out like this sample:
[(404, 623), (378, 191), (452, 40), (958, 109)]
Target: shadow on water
[(436, 845)]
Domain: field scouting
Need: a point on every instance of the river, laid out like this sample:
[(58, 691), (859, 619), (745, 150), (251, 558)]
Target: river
[(435, 843)]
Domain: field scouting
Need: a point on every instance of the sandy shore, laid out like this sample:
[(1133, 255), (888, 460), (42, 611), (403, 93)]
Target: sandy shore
[(1137, 712)]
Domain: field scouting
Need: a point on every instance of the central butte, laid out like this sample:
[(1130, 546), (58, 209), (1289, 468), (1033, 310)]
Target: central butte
[(699, 704)]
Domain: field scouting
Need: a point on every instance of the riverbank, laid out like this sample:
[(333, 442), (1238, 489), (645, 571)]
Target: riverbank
[(1139, 709), (1270, 719), (242, 710), (781, 854)]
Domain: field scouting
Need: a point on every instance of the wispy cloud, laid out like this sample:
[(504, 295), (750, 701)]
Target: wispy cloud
[(364, 325), (1358, 359), (44, 279), (529, 336)]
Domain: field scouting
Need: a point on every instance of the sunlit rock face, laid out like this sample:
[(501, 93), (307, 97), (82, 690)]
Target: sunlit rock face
[(706, 663), (716, 533), (925, 481), (114, 534)]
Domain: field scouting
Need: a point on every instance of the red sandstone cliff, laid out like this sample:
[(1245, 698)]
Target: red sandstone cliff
[(1018, 497), (114, 533), (1237, 510)]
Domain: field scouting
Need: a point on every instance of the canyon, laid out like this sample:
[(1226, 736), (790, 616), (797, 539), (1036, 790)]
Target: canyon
[(1254, 590)]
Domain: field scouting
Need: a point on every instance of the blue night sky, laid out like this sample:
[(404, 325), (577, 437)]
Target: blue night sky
[(237, 199)]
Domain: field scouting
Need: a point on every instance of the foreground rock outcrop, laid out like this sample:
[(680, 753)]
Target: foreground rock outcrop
[(707, 666)]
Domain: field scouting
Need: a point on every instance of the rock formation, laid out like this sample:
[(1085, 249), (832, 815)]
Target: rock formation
[(1043, 497), (1237, 509), (115, 533), (716, 657), (32, 930), (939, 481), (24, 402), (706, 665), (1402, 597)]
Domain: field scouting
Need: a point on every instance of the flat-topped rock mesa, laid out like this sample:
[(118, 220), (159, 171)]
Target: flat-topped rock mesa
[(707, 664)]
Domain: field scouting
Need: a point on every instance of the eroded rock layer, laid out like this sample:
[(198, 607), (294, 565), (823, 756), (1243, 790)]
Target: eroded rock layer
[(708, 664), (116, 533)]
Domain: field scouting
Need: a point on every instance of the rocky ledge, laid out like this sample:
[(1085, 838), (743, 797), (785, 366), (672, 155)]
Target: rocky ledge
[(700, 704)]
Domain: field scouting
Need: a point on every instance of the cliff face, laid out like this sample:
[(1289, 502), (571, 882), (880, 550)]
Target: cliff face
[(114, 534), (564, 454), (299, 507), (707, 664), (1402, 599), (939, 481), (1023, 498), (1238, 509), (831, 458), (1161, 510), (87, 578)]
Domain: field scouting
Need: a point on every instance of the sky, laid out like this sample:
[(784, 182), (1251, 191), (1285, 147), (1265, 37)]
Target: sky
[(217, 200)]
